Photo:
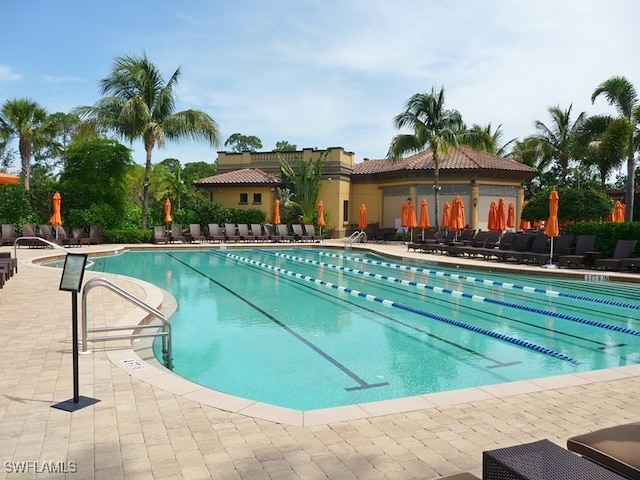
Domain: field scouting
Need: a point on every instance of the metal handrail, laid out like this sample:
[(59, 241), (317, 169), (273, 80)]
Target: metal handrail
[(165, 328), (355, 236), (45, 241)]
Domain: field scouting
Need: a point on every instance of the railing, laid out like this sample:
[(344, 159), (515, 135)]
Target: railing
[(357, 235), (44, 241), (164, 329)]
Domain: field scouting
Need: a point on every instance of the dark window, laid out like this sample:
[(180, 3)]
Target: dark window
[(244, 198), (257, 198), (345, 210)]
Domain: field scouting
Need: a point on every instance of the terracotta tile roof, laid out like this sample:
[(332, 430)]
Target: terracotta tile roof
[(240, 177), (461, 158)]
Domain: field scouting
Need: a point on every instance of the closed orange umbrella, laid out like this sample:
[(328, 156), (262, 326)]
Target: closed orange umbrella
[(424, 215), (167, 212), (404, 215), (412, 222), (551, 227), (446, 215), (511, 216), (321, 222), (56, 218), (276, 212), (501, 217), (493, 217), (524, 224), (6, 179), (362, 224), (458, 220), (618, 215)]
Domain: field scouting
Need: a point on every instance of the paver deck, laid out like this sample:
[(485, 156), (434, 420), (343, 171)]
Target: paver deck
[(141, 430)]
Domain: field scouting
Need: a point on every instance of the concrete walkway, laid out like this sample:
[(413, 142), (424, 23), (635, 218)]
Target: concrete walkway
[(141, 431)]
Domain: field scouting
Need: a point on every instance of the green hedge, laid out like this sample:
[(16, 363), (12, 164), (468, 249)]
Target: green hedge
[(127, 235), (608, 233)]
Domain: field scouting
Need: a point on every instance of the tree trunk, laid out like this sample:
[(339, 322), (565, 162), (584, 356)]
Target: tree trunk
[(631, 180), (24, 145), (436, 188), (145, 187)]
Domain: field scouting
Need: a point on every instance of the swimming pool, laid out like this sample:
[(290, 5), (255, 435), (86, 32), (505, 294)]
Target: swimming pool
[(310, 328)]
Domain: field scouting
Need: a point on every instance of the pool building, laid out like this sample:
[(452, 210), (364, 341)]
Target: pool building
[(250, 180)]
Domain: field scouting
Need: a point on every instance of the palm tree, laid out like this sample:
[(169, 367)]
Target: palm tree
[(603, 141), (621, 94), (557, 142), (434, 128), (30, 123), (486, 139), (140, 105)]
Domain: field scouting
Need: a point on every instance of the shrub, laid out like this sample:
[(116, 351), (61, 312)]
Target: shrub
[(608, 233), (127, 235)]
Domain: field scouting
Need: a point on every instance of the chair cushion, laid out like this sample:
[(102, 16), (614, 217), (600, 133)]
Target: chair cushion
[(617, 448)]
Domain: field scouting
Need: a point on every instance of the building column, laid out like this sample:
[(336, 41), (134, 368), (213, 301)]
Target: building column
[(475, 200)]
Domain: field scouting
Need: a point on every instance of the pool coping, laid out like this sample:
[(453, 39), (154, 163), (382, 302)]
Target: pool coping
[(138, 363)]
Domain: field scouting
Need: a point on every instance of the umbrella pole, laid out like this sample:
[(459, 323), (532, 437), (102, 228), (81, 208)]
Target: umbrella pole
[(551, 264)]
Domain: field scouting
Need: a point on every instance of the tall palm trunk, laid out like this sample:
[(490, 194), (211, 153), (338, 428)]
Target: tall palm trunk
[(145, 185), (24, 146), (436, 187), (631, 182)]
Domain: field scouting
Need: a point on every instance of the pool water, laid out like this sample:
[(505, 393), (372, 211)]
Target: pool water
[(311, 328)]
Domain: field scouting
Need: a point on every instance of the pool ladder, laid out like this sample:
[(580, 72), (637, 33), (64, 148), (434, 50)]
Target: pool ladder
[(358, 235), (163, 330)]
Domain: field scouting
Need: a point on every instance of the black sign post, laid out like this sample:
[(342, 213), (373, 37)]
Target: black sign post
[(71, 281)]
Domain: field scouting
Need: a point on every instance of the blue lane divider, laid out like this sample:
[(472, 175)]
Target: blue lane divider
[(484, 281), (458, 294), (390, 303)]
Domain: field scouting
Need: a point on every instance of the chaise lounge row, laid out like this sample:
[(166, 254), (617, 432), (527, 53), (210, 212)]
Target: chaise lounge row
[(235, 233), (56, 234)]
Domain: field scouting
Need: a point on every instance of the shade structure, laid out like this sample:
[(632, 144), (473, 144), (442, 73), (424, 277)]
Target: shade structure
[(501, 216), (276, 212), (492, 221), (511, 215), (56, 217), (618, 213), (458, 220), (6, 179), (167, 212), (524, 224), (362, 222), (446, 215), (423, 222)]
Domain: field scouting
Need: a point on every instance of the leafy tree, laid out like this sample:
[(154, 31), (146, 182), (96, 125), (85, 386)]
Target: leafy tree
[(193, 171), (55, 152), (95, 174), (30, 123), (576, 205), (6, 154), (557, 141), (140, 105), (243, 143), (304, 182), (284, 146), (620, 93), (434, 127)]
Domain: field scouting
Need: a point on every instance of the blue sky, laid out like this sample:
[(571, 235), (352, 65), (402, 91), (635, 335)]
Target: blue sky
[(326, 73)]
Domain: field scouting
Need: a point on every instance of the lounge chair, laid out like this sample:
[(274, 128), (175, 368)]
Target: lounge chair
[(46, 233), (63, 237), (8, 234), (429, 236), (615, 448), (178, 234), (259, 235), (283, 233), (632, 263), (624, 249), (95, 235), (429, 244), (374, 232), (299, 233), (539, 244), (215, 233), (29, 230), (196, 233), (584, 244), (521, 245), (160, 234), (505, 243), (230, 233), (271, 232), (478, 241), (11, 264), (245, 234), (561, 246), (79, 236), (311, 232)]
